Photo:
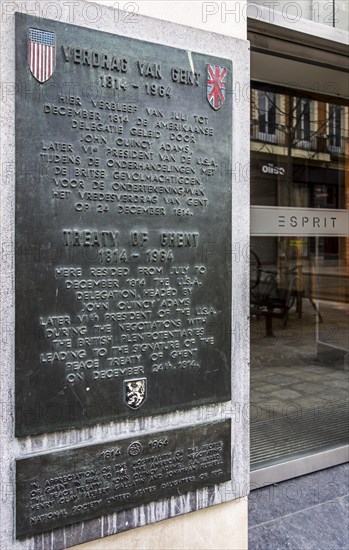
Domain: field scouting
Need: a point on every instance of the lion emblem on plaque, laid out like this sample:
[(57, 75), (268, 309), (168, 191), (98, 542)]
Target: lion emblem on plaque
[(135, 391)]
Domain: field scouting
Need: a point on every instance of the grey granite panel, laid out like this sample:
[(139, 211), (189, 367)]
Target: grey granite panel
[(277, 501), (270, 536), (322, 527)]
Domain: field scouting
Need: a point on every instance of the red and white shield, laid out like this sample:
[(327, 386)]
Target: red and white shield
[(216, 84), (41, 54)]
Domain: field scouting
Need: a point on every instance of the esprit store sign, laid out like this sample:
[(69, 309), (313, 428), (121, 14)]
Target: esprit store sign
[(279, 221), (273, 169)]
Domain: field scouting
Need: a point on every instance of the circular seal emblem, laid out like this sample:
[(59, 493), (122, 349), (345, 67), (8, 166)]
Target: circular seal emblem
[(135, 448)]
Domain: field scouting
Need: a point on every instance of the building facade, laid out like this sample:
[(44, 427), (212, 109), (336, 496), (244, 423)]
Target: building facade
[(291, 113)]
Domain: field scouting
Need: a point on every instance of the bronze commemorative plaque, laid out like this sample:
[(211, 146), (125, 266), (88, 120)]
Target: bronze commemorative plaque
[(61, 488), (123, 230)]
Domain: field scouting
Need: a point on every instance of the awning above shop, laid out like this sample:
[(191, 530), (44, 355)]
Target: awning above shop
[(299, 60)]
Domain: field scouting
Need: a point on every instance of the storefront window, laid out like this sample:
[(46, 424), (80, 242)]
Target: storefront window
[(299, 274)]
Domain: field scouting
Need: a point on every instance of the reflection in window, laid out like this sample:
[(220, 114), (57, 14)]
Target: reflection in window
[(267, 116), (335, 128), (302, 123)]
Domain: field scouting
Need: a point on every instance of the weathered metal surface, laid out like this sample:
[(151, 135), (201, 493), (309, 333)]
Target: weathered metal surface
[(66, 487), (123, 227)]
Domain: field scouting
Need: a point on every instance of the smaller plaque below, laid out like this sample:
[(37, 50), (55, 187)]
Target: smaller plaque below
[(65, 487)]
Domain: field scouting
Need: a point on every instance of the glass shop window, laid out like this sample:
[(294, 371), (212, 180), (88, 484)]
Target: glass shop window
[(299, 279)]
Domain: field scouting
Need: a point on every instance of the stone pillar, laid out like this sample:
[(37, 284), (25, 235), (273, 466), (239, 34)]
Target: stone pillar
[(209, 515)]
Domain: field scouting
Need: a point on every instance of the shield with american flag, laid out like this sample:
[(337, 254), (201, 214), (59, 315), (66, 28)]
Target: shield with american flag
[(41, 54), (216, 83)]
